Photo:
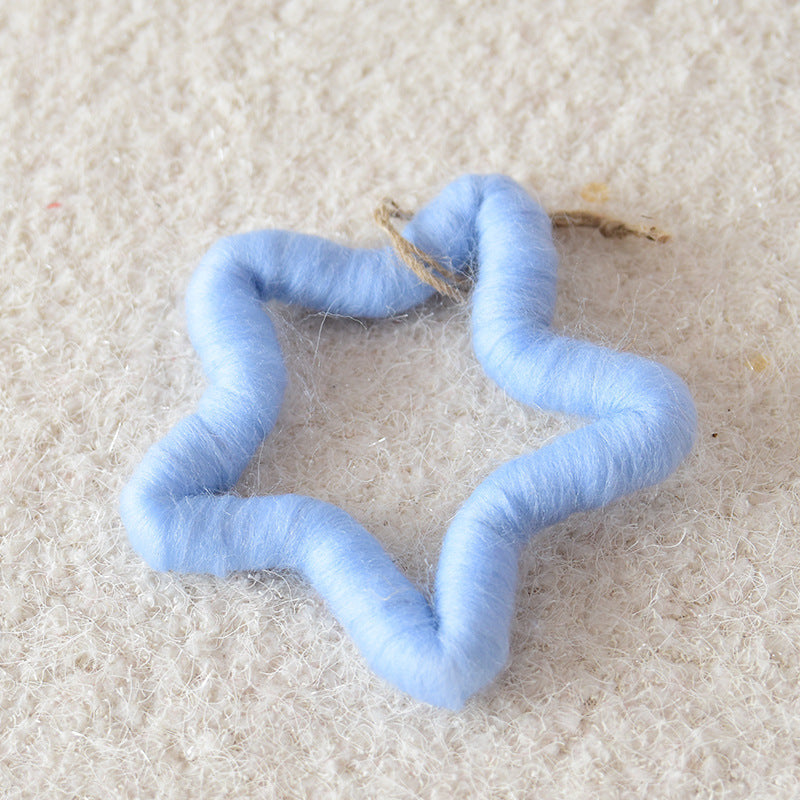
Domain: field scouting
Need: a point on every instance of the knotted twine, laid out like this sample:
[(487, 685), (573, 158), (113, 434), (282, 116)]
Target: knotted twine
[(455, 285)]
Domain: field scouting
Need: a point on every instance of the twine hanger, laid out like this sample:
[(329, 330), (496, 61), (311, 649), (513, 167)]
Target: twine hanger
[(455, 285)]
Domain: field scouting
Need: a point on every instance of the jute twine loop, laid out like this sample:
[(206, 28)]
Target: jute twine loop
[(445, 280), (455, 285)]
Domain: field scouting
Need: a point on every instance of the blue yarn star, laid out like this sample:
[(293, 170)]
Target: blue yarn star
[(180, 514)]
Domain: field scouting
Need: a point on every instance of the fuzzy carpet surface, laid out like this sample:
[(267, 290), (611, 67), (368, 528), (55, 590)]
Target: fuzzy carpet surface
[(655, 642)]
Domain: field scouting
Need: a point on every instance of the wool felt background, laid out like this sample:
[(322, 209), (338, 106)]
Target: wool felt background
[(654, 645)]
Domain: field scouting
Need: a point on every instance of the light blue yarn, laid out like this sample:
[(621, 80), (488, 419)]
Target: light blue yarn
[(181, 516)]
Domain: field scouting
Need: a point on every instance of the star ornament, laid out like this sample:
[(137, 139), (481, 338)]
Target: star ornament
[(181, 515)]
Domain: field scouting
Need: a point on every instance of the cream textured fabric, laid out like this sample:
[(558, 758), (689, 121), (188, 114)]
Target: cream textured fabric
[(655, 642)]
